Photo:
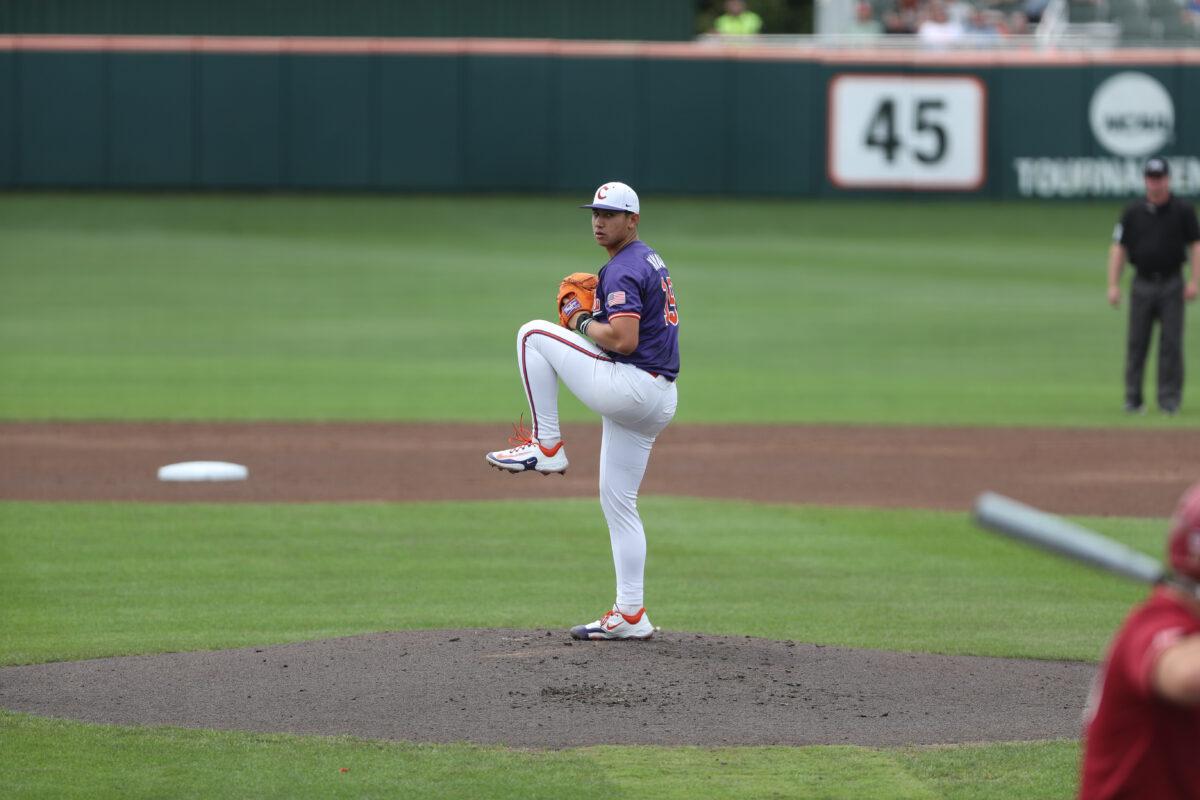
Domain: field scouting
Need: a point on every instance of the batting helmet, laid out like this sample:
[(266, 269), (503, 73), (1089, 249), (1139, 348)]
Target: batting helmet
[(1183, 543)]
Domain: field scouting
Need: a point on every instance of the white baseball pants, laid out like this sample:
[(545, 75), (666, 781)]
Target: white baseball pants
[(634, 405)]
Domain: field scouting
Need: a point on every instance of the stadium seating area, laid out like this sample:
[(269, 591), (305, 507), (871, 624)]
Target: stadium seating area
[(1132, 22), (1141, 21)]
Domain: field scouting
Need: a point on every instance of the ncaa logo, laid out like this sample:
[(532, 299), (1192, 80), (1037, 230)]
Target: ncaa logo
[(1132, 114)]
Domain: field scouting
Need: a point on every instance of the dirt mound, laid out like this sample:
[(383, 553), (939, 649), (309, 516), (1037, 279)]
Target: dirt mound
[(539, 688)]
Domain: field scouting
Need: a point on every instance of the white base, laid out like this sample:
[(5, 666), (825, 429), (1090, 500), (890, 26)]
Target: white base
[(203, 471)]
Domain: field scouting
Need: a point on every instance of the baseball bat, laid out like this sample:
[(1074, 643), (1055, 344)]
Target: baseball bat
[(1053, 533)]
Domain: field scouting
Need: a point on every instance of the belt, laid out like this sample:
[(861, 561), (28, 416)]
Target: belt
[(1158, 276), (668, 377)]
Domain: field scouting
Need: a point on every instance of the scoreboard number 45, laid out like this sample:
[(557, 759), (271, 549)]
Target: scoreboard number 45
[(907, 132)]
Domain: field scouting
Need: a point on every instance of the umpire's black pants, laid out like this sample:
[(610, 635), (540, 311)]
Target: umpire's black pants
[(1152, 299)]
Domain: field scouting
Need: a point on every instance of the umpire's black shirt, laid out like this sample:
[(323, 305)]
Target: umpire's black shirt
[(1156, 237)]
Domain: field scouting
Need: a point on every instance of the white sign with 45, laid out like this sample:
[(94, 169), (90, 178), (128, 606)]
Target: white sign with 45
[(907, 132)]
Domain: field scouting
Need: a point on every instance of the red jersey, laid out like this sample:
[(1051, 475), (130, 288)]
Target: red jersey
[(1136, 744)]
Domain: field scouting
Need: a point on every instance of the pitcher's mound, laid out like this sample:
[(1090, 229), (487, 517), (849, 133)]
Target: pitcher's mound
[(539, 688)]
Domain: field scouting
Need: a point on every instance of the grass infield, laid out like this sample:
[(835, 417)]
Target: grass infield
[(93, 580)]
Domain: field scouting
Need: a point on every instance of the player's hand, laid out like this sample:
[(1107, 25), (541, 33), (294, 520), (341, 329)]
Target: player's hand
[(1190, 291), (1114, 296), (576, 293)]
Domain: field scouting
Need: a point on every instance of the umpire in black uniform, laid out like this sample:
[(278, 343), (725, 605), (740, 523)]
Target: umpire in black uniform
[(1155, 234)]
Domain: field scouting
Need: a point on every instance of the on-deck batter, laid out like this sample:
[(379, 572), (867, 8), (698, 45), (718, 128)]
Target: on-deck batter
[(1143, 716), (626, 374)]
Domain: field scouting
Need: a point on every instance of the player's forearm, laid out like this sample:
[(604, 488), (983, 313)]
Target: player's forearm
[(611, 339), (1116, 261), (620, 336), (1177, 673)]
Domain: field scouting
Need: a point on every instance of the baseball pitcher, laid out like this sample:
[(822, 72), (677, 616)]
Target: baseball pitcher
[(623, 367)]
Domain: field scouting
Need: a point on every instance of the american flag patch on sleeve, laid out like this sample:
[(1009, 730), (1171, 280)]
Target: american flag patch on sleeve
[(615, 299)]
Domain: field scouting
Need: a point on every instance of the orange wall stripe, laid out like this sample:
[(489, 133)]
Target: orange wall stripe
[(318, 45)]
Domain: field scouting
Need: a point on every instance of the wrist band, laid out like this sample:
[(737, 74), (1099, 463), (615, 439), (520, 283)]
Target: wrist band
[(585, 320)]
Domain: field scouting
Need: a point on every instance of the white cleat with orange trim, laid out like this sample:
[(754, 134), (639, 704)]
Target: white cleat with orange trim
[(615, 625), (528, 454)]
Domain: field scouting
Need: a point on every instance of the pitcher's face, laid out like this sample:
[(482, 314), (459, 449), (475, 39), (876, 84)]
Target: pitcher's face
[(613, 229)]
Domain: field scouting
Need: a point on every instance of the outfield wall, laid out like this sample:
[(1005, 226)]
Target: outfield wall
[(546, 115), (661, 20)]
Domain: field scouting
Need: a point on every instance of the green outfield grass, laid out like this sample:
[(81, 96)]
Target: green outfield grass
[(348, 307), (405, 308)]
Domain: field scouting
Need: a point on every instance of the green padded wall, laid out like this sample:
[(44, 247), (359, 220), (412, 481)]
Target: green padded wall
[(681, 120), (660, 20)]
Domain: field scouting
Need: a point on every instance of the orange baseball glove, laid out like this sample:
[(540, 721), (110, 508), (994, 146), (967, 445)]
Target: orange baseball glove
[(576, 293)]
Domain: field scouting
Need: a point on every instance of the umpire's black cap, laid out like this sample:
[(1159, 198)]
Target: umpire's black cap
[(1157, 167)]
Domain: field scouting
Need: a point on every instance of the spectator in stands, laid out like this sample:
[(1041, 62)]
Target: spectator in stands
[(865, 26), (959, 11), (1193, 13), (737, 20), (903, 17), (1034, 9), (937, 30), (995, 18), (982, 27)]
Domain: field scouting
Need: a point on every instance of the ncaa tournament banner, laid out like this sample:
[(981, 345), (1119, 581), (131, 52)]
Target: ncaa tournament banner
[(1123, 116)]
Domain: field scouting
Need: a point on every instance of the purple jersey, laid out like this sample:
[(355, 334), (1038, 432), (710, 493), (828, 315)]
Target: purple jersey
[(635, 283)]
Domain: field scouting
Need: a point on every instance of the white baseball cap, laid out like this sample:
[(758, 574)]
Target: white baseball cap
[(616, 196)]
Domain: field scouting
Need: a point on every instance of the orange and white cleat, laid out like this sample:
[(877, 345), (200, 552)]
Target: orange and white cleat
[(615, 625), (527, 454)]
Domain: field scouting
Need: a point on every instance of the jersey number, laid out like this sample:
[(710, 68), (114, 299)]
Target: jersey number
[(670, 313)]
